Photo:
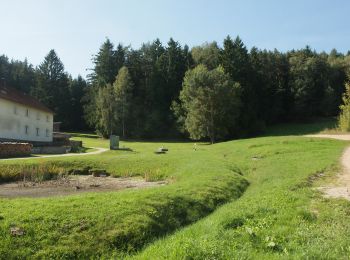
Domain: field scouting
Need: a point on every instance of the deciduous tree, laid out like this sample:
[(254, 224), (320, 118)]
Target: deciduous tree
[(210, 101), (123, 87)]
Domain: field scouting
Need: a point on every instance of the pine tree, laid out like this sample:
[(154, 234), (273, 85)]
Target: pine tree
[(236, 62), (78, 89), (106, 65), (52, 87)]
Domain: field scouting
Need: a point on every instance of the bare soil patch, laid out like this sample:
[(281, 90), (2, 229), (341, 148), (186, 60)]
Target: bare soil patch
[(72, 184), (341, 186)]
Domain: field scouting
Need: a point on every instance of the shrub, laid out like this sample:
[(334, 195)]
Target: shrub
[(344, 117), (35, 172)]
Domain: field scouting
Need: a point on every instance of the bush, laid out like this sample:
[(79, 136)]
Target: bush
[(344, 117), (35, 172)]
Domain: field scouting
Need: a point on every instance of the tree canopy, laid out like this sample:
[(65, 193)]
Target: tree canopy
[(210, 101), (145, 92)]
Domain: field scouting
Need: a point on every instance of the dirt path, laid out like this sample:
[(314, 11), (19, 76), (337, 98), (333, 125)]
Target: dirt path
[(341, 187), (345, 137), (98, 151)]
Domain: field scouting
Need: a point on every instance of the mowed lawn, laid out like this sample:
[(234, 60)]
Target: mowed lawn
[(250, 198)]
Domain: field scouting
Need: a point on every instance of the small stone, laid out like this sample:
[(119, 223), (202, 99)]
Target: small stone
[(17, 231), (98, 173)]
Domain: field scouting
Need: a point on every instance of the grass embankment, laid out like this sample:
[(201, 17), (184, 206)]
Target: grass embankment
[(102, 224), (281, 215)]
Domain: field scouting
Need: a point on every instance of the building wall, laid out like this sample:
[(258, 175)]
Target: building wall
[(18, 124)]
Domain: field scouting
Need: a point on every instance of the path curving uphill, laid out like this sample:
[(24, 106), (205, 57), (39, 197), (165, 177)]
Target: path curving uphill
[(99, 150), (341, 188)]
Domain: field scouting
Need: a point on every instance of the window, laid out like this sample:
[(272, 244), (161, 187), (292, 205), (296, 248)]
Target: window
[(26, 129), (37, 116), (15, 110), (27, 112), (47, 133), (37, 131)]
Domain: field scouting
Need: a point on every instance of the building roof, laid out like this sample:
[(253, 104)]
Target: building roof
[(22, 98)]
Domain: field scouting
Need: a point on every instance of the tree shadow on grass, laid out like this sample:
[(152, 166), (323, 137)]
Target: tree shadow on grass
[(302, 128)]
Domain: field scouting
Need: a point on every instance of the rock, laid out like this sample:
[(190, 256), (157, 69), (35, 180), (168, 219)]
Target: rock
[(83, 171), (161, 150), (98, 173), (17, 231)]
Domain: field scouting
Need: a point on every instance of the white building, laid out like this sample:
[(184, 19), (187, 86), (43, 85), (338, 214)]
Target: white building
[(23, 118)]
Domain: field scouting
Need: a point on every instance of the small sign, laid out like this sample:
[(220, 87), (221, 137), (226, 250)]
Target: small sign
[(114, 142)]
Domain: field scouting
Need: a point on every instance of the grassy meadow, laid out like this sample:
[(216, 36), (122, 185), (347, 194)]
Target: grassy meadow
[(245, 199)]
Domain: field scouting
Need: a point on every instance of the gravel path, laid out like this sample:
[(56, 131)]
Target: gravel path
[(98, 151), (341, 187)]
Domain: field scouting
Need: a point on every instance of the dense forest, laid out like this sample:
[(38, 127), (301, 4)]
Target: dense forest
[(209, 91)]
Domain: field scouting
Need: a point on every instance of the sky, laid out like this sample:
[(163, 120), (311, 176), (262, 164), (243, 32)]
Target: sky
[(77, 28)]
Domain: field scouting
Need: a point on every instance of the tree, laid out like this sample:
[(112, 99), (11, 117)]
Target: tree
[(235, 60), (78, 89), (207, 54), (309, 81), (344, 117), (107, 63), (270, 80), (210, 102), (122, 90), (157, 73), (17, 74), (274, 86), (52, 87), (22, 75), (338, 75), (105, 108)]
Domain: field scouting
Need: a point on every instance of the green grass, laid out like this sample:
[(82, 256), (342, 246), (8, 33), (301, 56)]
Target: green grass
[(200, 214), (280, 216), (102, 224), (313, 127)]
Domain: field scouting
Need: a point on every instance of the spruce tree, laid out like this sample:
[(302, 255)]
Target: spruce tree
[(52, 87)]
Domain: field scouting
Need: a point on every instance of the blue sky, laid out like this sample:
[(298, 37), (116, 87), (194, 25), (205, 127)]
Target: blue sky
[(77, 28)]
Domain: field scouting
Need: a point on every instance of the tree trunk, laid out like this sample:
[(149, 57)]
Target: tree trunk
[(123, 128), (212, 127), (123, 120), (212, 139)]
